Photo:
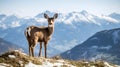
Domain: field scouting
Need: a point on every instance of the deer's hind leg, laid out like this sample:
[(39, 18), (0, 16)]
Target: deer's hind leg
[(34, 43), (29, 44)]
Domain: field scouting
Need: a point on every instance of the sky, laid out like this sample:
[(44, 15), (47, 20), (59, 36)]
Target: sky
[(24, 8)]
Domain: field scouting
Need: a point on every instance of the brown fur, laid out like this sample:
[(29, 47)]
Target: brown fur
[(40, 34)]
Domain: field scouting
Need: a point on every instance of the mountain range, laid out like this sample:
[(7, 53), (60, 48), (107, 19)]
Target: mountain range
[(7, 46), (103, 45), (70, 28)]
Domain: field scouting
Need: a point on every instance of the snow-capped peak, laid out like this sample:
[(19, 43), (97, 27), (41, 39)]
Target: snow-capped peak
[(84, 12), (66, 18)]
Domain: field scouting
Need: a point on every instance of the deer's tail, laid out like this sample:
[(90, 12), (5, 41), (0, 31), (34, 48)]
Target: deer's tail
[(27, 32)]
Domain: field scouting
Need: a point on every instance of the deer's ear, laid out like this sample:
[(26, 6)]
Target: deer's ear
[(55, 16), (46, 16)]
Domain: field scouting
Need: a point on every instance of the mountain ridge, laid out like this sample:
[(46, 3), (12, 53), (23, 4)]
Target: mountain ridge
[(7, 46), (103, 45)]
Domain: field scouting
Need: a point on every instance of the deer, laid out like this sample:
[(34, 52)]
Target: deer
[(40, 34)]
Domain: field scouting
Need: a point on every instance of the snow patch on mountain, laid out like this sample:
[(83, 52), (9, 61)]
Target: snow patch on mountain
[(105, 47), (5, 65), (94, 38), (101, 47), (15, 24), (103, 56), (11, 56), (107, 18), (59, 63)]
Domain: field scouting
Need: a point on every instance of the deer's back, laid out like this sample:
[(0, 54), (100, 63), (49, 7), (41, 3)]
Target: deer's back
[(40, 33)]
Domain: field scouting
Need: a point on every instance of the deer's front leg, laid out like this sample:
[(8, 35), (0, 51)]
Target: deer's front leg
[(45, 46), (32, 50), (29, 51), (40, 52)]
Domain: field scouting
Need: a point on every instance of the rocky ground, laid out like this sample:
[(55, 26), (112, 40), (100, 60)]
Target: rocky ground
[(19, 59)]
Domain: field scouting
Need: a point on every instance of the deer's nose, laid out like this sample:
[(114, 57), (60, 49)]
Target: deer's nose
[(50, 23)]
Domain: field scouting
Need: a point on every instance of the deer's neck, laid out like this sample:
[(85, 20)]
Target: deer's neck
[(50, 29)]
